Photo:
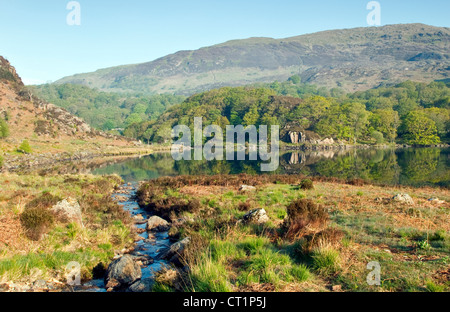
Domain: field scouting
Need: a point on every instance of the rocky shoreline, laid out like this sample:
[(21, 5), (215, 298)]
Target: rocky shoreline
[(326, 147), (47, 160)]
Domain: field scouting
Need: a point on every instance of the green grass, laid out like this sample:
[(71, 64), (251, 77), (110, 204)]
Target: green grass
[(326, 261), (29, 197)]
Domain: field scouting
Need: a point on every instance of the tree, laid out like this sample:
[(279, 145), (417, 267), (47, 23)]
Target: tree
[(295, 79), (25, 147), (441, 117), (419, 129), (4, 129), (132, 119), (385, 121), (252, 116), (378, 136), (357, 117)]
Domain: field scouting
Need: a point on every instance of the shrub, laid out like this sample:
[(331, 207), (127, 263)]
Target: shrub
[(24, 147), (307, 184), (36, 221), (4, 129), (356, 182), (6, 74), (45, 201), (244, 206), (304, 217), (1, 161)]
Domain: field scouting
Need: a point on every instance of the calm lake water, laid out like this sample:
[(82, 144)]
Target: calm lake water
[(410, 166)]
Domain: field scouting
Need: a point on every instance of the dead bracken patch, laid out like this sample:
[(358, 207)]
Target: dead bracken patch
[(10, 231), (202, 191)]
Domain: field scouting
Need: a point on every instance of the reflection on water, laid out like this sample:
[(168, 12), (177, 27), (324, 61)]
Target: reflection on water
[(413, 166)]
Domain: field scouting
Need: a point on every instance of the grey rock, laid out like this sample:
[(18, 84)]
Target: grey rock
[(144, 285), (122, 272), (404, 198), (68, 210), (247, 188), (258, 216), (157, 224), (436, 201), (175, 251)]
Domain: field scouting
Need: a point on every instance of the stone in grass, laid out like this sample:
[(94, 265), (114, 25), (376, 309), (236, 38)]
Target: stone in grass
[(258, 216), (68, 210), (157, 224), (122, 273), (436, 201), (403, 198), (247, 188)]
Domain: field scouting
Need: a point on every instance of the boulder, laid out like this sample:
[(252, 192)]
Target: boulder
[(258, 216), (247, 188), (157, 224), (142, 286), (403, 198), (175, 252), (68, 210), (122, 273)]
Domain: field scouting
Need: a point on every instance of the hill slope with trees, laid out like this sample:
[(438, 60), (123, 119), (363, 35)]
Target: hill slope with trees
[(410, 112)]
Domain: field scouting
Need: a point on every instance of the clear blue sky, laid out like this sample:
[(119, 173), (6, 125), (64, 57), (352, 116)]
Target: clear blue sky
[(37, 40)]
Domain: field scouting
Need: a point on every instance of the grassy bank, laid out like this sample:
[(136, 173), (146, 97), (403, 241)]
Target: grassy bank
[(320, 236), (35, 245)]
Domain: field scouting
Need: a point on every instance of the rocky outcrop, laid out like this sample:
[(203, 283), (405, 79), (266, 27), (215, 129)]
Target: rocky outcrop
[(122, 273)]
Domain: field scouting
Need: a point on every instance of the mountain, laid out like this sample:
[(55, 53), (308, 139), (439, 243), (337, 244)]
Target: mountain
[(352, 59), (47, 126)]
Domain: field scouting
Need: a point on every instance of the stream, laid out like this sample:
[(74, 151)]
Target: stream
[(147, 249)]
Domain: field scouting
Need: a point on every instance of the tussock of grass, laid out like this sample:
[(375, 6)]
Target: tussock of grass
[(326, 261)]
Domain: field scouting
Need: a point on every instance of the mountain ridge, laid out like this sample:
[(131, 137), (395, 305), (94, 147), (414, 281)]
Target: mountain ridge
[(353, 59)]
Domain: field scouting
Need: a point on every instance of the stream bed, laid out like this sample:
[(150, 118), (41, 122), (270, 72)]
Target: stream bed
[(147, 249)]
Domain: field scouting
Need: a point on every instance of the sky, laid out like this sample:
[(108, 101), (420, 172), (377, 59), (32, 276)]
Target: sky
[(37, 39)]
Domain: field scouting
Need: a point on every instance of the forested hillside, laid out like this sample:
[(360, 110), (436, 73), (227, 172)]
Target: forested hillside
[(412, 113)]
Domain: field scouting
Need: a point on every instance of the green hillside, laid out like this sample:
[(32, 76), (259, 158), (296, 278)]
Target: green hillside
[(413, 113), (106, 110)]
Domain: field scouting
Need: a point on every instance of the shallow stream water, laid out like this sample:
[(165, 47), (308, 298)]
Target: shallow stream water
[(148, 248)]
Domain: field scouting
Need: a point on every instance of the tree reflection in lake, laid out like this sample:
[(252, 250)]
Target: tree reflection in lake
[(417, 167)]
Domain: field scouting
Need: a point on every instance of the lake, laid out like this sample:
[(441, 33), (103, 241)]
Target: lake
[(409, 166)]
